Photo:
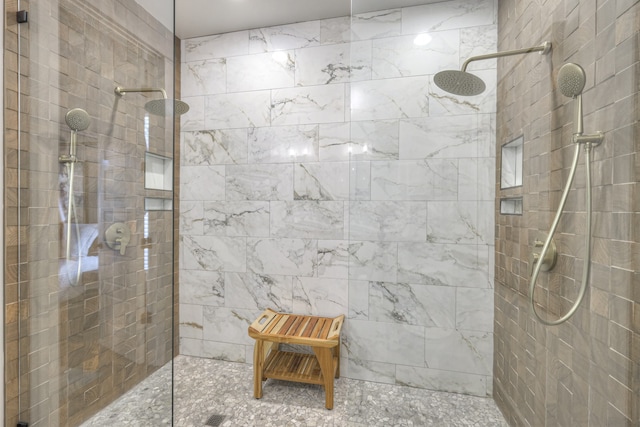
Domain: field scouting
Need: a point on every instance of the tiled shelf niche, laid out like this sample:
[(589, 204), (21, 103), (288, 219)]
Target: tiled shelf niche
[(157, 204), (511, 170), (158, 172), (511, 206)]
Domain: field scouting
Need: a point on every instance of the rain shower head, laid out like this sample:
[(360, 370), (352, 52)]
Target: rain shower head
[(77, 119), (459, 82), (160, 107), (571, 80), (466, 84), (163, 107)]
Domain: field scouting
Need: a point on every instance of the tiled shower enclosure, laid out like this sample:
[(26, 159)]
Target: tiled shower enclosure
[(323, 173)]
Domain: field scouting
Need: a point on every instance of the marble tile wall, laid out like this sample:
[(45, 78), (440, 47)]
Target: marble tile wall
[(585, 372), (324, 173)]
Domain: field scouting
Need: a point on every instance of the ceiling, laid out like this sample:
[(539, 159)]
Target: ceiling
[(195, 18)]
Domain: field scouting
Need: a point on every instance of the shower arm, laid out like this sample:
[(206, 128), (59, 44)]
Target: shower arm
[(121, 91), (544, 48)]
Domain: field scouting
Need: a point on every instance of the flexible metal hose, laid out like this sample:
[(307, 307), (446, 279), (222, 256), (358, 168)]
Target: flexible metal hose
[(587, 260)]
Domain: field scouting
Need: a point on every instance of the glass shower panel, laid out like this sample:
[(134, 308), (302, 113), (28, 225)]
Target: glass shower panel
[(89, 275), (421, 207)]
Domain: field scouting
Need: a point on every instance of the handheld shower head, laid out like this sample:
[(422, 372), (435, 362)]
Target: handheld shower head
[(571, 80), (77, 119)]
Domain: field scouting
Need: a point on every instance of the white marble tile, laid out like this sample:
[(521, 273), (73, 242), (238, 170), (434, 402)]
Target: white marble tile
[(470, 179), (204, 77), (193, 179), (433, 179), (216, 46), (259, 292), (224, 351), (448, 15), (260, 182), (333, 259), (375, 140), (460, 351), (320, 297), (191, 321), (284, 144), (486, 222), (202, 287), (360, 180), (390, 98), (359, 299), (437, 379), (334, 141), (386, 342), (452, 222), (294, 257), (188, 347), (442, 103), (307, 219), (336, 63), (376, 261), (238, 110), (284, 37), (388, 221), (432, 306), (442, 265), (476, 41), (214, 147), (472, 309), (191, 218), (377, 372), (213, 253), (335, 30), (261, 71), (194, 118), (371, 25), (236, 218), (444, 136), (321, 181), (402, 57), (306, 105), (230, 325)]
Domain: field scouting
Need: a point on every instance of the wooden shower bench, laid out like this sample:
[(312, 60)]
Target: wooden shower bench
[(322, 334)]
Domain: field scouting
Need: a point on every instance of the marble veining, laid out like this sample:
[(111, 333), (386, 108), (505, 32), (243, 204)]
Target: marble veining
[(324, 172)]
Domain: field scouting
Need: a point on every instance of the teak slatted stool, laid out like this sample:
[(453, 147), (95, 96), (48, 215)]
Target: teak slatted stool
[(322, 334)]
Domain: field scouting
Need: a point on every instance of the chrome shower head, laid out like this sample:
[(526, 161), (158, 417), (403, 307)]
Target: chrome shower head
[(571, 80), (160, 107), (459, 82), (77, 119)]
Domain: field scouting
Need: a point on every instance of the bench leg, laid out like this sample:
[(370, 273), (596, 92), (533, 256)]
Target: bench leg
[(258, 366), (325, 359), (336, 353)]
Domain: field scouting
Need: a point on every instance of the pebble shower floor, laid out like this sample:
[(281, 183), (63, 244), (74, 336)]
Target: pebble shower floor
[(217, 393)]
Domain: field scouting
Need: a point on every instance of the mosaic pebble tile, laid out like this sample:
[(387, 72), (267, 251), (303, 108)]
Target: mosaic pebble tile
[(204, 387)]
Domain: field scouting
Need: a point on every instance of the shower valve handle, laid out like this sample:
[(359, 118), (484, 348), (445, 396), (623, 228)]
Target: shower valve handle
[(117, 237)]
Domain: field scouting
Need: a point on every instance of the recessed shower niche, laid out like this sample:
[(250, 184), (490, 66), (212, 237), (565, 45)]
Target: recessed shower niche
[(511, 161), (158, 172)]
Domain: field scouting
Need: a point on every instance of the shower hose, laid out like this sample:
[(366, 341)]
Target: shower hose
[(587, 259)]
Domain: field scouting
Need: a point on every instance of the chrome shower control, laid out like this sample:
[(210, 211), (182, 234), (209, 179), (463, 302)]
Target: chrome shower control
[(550, 257), (117, 237)]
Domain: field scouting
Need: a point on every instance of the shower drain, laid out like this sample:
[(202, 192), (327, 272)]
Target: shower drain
[(215, 420)]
